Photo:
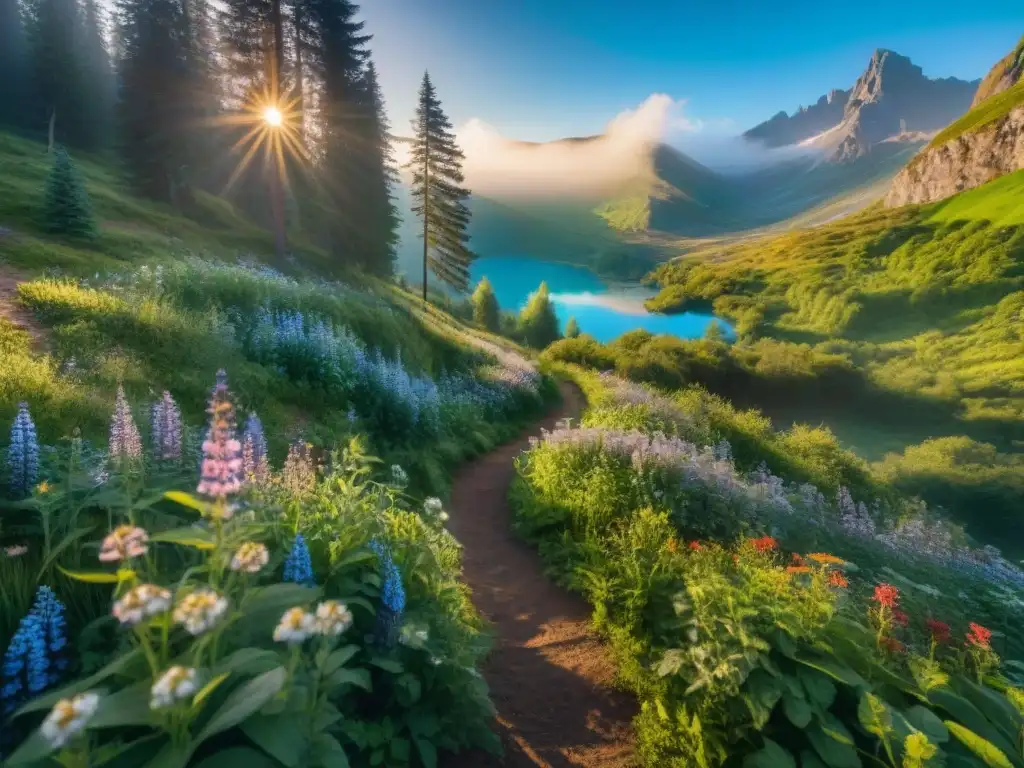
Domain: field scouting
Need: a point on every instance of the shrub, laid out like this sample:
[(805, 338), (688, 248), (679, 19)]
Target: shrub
[(538, 323), (572, 328), (486, 312)]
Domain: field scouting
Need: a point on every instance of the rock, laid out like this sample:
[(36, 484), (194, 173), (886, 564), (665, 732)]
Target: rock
[(966, 162), (1007, 72)]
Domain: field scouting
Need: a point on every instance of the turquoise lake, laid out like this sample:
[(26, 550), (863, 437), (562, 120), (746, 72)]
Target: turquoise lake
[(603, 311)]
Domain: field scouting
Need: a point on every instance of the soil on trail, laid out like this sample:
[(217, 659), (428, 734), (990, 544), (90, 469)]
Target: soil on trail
[(12, 310), (549, 674)]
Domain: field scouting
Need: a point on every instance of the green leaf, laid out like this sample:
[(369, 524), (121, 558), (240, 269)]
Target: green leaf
[(928, 723), (761, 693), (820, 689), (834, 753), (186, 537), (115, 667), (427, 752), (99, 577), (244, 701), (65, 542), (388, 665), (810, 760), (188, 500), (248, 662), (834, 728), (357, 677), (990, 754), (284, 737), (875, 715), (797, 709), (209, 688), (784, 643), (833, 669), (771, 755), (969, 716), (238, 757), (31, 751), (338, 658), (400, 749), (328, 753), (996, 708), (129, 706)]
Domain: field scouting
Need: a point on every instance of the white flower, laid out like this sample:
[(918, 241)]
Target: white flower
[(332, 618), (436, 661), (174, 685), (123, 543), (67, 718), (141, 602), (16, 550), (295, 626), (432, 506), (250, 557), (414, 637), (199, 610), (443, 517)]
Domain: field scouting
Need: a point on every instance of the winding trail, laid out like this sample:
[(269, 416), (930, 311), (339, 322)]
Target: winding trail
[(12, 311), (549, 674)]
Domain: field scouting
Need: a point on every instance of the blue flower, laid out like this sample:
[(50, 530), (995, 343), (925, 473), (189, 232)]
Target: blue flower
[(23, 454), (166, 428), (392, 591), (35, 656), (298, 567)]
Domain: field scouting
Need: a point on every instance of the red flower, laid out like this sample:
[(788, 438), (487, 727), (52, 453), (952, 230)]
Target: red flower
[(797, 560), (765, 544), (837, 579), (887, 595), (696, 546), (894, 645), (900, 618), (979, 636), (939, 630)]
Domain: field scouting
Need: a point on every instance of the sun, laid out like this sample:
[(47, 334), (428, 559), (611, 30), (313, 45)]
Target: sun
[(272, 117)]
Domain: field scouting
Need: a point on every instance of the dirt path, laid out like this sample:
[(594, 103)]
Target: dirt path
[(549, 674), (12, 310)]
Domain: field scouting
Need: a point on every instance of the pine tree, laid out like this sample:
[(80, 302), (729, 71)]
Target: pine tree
[(379, 177), (437, 193), (14, 90), (97, 78), (538, 322), (572, 328), (486, 312), (67, 209)]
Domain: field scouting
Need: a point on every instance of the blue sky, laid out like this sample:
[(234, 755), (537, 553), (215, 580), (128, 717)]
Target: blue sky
[(544, 69)]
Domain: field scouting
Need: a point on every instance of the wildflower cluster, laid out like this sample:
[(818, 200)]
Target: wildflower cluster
[(176, 684), (36, 656), (433, 511), (298, 475), (140, 603), (68, 718), (298, 566), (125, 441), (330, 619), (255, 465), (222, 453), (22, 454), (199, 610), (166, 428), (124, 543)]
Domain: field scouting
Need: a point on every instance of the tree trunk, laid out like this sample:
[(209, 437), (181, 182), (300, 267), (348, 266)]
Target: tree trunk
[(426, 205), (300, 83), (278, 71), (53, 124)]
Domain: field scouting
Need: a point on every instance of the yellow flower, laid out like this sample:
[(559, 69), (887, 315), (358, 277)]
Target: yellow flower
[(826, 559), (43, 487)]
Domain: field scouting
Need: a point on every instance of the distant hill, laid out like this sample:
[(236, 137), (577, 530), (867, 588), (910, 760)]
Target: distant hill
[(892, 100)]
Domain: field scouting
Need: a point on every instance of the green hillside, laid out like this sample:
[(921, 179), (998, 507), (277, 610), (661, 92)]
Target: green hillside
[(987, 112)]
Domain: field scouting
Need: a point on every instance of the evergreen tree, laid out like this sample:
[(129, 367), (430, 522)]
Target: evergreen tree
[(14, 90), (378, 178), (486, 312), (437, 193), (572, 328), (67, 209), (97, 78), (538, 322), (156, 111)]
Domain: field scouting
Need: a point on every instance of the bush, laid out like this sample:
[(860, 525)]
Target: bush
[(486, 312), (538, 323), (572, 328), (67, 210)]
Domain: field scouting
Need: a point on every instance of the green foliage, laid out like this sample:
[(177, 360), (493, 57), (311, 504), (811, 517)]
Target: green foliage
[(538, 323), (486, 312), (740, 651), (67, 210)]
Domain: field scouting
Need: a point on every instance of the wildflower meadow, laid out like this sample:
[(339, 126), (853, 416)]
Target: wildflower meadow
[(762, 621)]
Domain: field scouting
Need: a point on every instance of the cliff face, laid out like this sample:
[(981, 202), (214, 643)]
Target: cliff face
[(965, 162)]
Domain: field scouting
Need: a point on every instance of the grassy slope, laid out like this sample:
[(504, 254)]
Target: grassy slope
[(1001, 203), (176, 337), (985, 113)]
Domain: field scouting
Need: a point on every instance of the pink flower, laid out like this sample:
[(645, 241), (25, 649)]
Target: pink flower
[(123, 543), (222, 452), (887, 595)]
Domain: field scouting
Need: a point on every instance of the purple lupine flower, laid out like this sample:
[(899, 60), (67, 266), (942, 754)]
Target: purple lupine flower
[(22, 454), (125, 441), (166, 428), (255, 465), (221, 472)]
